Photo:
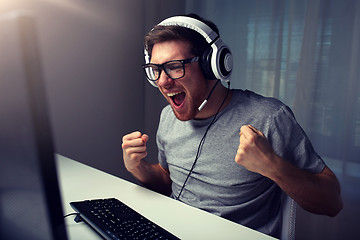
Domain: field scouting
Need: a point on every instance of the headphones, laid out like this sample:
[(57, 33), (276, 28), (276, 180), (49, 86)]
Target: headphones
[(217, 61)]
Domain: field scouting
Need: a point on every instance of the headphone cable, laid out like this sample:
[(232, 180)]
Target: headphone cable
[(202, 142)]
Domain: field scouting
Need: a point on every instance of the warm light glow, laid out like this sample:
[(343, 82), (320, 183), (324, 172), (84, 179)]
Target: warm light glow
[(70, 5), (89, 10)]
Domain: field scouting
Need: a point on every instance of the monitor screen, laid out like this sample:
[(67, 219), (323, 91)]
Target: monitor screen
[(30, 203)]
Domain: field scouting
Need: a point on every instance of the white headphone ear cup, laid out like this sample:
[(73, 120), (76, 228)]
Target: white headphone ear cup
[(221, 61), (225, 63)]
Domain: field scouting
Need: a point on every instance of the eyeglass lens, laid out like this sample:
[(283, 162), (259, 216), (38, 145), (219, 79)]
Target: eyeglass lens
[(174, 69)]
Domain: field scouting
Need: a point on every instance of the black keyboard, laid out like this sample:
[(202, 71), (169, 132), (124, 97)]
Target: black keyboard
[(114, 220)]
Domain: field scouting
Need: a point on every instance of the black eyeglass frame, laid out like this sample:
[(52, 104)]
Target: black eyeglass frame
[(162, 68)]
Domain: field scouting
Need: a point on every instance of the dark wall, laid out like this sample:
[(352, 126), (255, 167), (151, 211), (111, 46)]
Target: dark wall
[(92, 52)]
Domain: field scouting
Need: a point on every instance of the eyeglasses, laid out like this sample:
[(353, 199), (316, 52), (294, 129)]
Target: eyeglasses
[(174, 69)]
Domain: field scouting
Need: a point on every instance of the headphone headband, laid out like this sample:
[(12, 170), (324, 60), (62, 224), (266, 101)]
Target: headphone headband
[(217, 63), (192, 23)]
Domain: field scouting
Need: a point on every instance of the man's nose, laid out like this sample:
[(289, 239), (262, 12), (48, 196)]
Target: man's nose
[(164, 80)]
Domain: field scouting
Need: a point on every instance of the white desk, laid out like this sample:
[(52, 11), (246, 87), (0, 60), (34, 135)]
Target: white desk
[(80, 182)]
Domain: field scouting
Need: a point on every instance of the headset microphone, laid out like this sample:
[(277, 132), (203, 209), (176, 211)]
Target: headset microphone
[(202, 105), (206, 100)]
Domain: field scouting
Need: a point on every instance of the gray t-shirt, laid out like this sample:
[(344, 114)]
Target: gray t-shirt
[(218, 184)]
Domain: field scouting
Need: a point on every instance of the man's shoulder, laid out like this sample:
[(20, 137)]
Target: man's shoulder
[(256, 102), (166, 111)]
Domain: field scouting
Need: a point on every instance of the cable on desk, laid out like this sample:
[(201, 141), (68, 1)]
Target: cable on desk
[(70, 214), (77, 217)]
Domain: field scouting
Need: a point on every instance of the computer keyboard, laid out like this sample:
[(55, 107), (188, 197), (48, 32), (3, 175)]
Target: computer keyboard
[(114, 220)]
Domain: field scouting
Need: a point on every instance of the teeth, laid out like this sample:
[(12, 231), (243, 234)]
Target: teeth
[(172, 94)]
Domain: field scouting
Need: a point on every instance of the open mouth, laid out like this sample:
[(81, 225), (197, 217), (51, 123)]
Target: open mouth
[(177, 98)]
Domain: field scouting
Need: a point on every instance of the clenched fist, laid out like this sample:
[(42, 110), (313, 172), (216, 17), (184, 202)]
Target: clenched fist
[(134, 149), (255, 152)]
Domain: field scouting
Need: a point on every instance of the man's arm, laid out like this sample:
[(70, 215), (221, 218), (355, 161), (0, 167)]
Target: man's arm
[(315, 192), (153, 176)]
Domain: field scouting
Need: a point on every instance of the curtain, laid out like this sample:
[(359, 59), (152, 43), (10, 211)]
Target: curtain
[(307, 54)]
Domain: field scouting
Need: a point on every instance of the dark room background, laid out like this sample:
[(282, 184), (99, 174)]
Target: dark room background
[(304, 52)]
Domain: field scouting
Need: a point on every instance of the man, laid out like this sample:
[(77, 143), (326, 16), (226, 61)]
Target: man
[(205, 161)]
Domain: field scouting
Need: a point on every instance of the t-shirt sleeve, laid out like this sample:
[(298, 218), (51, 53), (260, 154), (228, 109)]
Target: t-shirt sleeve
[(290, 141)]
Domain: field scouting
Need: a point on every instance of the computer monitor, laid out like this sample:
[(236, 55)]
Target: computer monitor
[(30, 204)]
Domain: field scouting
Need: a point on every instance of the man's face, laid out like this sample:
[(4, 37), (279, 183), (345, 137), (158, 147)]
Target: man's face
[(187, 93)]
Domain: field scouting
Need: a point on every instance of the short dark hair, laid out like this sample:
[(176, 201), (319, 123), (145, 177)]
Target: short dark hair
[(168, 33)]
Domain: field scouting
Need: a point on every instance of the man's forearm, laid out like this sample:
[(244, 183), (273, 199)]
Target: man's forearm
[(316, 193), (153, 176)]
